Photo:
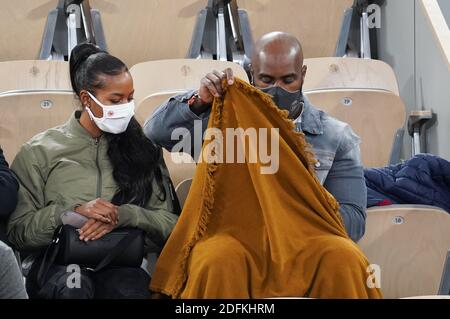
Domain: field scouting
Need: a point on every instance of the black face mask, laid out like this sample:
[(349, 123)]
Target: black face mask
[(285, 100)]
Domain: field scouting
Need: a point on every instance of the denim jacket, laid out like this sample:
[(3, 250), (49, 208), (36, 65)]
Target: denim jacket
[(333, 142)]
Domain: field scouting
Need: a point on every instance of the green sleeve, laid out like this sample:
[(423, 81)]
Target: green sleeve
[(33, 223), (157, 219)]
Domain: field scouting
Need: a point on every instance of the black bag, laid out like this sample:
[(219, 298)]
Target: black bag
[(123, 247)]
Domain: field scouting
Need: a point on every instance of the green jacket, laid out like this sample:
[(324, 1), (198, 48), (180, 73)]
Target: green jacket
[(65, 166)]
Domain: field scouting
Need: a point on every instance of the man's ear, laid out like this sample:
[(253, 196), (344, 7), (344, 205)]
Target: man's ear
[(304, 70)]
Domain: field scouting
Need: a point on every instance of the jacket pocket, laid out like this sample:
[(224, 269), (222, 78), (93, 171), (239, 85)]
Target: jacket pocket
[(324, 163)]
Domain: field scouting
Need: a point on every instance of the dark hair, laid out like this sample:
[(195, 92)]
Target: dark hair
[(135, 159)]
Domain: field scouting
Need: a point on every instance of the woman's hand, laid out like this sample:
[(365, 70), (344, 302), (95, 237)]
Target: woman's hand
[(94, 229), (100, 210)]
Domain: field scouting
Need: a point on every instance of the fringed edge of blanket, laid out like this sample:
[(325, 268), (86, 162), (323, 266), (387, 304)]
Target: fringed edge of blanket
[(208, 203)]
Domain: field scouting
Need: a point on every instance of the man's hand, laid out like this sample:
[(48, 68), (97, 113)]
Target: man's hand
[(211, 87), (94, 229), (211, 84), (100, 210)]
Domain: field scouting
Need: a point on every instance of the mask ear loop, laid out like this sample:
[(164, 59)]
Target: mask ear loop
[(93, 98), (87, 107)]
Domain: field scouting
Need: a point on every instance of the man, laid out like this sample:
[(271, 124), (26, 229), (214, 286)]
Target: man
[(277, 69), (11, 281)]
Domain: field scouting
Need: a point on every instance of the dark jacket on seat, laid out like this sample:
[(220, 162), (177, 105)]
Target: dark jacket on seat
[(424, 180), (8, 189)]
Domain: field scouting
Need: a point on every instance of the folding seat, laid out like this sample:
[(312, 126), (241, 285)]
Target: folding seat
[(34, 75), (35, 95), (374, 115), (149, 104), (181, 166), (177, 75), (22, 24), (409, 245), (350, 74), (318, 39), (142, 30), (182, 190), (23, 115)]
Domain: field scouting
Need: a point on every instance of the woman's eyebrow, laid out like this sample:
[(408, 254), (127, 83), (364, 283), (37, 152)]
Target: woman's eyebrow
[(117, 94), (121, 94)]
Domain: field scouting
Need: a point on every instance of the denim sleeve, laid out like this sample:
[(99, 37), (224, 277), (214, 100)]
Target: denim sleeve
[(346, 182), (173, 123)]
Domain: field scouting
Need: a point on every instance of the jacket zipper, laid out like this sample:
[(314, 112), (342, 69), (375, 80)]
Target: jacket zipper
[(99, 171)]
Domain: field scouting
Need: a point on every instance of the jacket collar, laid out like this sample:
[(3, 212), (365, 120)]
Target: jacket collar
[(310, 119), (75, 128)]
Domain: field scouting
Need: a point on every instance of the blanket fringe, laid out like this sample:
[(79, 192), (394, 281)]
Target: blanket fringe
[(208, 204)]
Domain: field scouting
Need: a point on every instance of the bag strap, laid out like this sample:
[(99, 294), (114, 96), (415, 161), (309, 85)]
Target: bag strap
[(49, 257), (174, 197), (118, 249)]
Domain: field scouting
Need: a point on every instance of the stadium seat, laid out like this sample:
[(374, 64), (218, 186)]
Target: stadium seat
[(181, 166), (374, 115), (183, 190), (149, 105), (23, 115), (32, 75), (142, 30), (176, 75), (22, 24), (410, 244), (350, 74), (139, 36), (301, 18)]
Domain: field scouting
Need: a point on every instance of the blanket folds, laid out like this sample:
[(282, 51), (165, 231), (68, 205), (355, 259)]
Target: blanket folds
[(244, 233)]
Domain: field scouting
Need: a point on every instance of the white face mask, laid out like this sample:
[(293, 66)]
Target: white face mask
[(115, 118)]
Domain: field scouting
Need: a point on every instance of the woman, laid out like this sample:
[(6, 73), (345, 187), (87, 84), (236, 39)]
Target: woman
[(100, 166)]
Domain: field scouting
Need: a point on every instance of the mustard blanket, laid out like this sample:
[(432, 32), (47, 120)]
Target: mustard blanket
[(250, 230)]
